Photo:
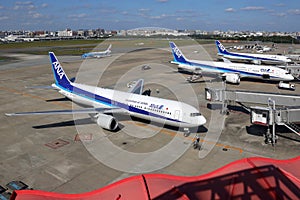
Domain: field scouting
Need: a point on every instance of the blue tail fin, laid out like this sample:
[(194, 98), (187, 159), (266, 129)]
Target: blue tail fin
[(60, 76), (177, 54), (221, 48), (85, 55)]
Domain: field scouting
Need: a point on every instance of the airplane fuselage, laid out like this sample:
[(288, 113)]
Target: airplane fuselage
[(96, 54), (159, 110), (244, 70), (254, 58), (266, 59)]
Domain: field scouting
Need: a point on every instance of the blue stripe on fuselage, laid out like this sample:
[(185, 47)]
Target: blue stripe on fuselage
[(249, 57), (225, 70)]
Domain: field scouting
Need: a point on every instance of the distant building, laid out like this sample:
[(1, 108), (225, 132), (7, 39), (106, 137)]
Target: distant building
[(65, 33)]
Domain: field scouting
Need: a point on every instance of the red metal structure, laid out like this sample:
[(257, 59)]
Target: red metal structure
[(249, 178)]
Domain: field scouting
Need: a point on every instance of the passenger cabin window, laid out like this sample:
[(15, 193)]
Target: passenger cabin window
[(195, 114)]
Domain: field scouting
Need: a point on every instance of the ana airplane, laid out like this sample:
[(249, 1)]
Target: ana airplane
[(100, 103), (99, 54), (232, 72), (252, 58)]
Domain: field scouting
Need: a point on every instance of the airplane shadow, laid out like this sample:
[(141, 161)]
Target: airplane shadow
[(270, 82), (281, 131), (200, 129), (58, 99), (198, 81), (256, 130), (171, 72), (286, 133), (84, 121), (120, 118), (238, 109)]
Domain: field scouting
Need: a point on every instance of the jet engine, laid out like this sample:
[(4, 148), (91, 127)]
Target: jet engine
[(107, 122), (232, 78), (257, 62)]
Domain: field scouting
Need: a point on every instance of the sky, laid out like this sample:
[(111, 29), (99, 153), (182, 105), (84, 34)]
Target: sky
[(224, 15)]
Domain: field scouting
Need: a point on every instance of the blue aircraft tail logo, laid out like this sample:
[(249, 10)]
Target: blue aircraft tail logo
[(59, 75), (221, 48), (177, 51), (60, 72), (177, 54)]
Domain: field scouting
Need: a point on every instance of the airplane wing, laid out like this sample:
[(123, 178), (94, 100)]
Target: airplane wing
[(237, 58), (47, 86), (245, 59), (68, 112), (138, 87)]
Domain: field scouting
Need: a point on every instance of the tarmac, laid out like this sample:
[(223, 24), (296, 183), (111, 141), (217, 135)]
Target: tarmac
[(72, 154)]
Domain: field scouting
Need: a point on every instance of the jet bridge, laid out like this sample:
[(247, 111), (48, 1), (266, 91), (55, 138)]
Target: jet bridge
[(222, 95), (271, 116), (293, 69), (282, 109)]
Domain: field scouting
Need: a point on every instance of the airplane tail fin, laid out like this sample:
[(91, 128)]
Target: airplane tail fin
[(137, 87), (60, 76), (221, 48), (84, 55), (177, 54), (108, 50)]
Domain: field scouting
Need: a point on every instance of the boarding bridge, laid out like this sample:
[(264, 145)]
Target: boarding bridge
[(222, 95), (293, 69), (271, 116), (287, 114)]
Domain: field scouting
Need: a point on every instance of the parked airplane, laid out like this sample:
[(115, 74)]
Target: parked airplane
[(101, 102), (252, 58), (99, 54), (232, 72)]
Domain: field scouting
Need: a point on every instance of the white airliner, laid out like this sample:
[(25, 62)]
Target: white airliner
[(252, 58), (232, 72), (100, 103), (99, 54)]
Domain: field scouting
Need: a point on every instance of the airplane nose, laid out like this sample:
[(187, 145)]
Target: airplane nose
[(201, 120), (291, 77)]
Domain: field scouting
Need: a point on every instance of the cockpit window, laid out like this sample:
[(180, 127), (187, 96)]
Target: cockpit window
[(195, 114)]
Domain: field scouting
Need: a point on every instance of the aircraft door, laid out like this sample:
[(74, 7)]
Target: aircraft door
[(177, 114)]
